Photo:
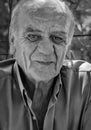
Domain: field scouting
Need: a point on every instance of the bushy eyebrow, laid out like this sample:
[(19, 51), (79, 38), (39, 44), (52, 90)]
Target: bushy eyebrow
[(60, 33), (32, 29)]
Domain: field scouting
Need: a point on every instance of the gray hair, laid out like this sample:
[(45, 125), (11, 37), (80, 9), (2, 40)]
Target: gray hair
[(55, 5)]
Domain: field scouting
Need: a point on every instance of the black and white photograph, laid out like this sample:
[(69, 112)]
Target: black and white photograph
[(45, 64)]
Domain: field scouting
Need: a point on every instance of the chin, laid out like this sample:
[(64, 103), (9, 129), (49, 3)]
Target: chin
[(42, 76)]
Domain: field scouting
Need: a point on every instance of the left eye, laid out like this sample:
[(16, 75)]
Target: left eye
[(33, 37), (57, 39)]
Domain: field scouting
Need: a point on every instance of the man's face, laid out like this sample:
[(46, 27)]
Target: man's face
[(41, 44)]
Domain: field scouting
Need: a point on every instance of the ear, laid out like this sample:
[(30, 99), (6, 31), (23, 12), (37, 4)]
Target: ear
[(12, 49)]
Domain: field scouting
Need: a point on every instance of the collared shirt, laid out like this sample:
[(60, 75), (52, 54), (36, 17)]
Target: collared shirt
[(69, 107), (28, 101)]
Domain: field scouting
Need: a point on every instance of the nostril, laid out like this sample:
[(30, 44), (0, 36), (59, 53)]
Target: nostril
[(46, 48)]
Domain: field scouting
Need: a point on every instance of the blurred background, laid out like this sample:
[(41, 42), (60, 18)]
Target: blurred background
[(81, 43)]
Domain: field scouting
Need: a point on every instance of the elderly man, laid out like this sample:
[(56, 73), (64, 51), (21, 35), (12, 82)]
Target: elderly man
[(38, 92)]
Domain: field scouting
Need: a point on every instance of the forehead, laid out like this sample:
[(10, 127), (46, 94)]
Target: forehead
[(42, 18)]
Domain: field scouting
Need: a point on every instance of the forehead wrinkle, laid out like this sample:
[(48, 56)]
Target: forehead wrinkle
[(43, 16), (55, 23), (46, 29)]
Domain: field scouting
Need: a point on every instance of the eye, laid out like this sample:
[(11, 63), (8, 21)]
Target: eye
[(33, 37), (57, 39)]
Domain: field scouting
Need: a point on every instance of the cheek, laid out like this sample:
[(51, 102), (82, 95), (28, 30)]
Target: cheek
[(60, 51), (24, 52), (24, 46)]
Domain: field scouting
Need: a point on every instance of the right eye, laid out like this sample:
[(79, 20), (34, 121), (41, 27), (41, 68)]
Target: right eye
[(33, 37)]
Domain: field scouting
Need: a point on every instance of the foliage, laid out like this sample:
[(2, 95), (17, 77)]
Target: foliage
[(4, 24)]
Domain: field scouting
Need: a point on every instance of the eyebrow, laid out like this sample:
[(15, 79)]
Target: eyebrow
[(32, 29), (60, 33)]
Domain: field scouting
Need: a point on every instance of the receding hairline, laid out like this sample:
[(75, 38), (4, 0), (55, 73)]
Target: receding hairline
[(34, 5)]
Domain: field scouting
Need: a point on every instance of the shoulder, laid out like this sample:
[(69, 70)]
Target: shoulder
[(79, 65), (80, 68), (78, 73), (6, 67)]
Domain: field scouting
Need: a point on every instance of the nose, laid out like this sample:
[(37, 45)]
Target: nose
[(46, 47)]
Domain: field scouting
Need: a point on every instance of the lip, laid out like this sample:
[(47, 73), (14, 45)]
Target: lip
[(45, 63)]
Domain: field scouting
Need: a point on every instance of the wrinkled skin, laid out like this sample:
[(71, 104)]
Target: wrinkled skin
[(41, 43)]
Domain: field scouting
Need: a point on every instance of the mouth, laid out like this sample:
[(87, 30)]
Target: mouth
[(45, 63)]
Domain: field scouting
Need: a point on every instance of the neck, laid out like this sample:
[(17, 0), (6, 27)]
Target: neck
[(43, 87), (32, 86)]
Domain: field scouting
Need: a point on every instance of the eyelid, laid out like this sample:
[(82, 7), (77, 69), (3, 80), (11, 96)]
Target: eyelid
[(60, 34), (32, 33), (38, 37), (61, 38)]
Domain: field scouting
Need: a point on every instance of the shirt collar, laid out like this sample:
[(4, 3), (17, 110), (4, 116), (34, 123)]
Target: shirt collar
[(55, 92), (23, 91)]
